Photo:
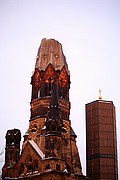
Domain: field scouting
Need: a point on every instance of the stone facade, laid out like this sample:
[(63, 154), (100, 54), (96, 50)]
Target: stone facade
[(49, 150)]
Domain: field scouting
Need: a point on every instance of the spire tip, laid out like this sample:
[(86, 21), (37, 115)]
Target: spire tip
[(100, 97)]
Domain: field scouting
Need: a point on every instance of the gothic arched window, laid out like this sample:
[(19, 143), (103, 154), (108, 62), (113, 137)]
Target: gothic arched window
[(53, 127), (29, 164), (11, 155), (35, 165), (48, 84), (47, 166), (58, 167), (22, 168), (39, 93)]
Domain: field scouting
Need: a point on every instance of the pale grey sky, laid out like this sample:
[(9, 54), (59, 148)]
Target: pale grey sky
[(89, 31)]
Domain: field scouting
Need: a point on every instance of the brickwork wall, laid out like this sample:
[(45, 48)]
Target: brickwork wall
[(101, 144)]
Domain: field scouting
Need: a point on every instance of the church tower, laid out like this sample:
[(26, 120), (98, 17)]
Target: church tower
[(12, 150), (101, 140), (49, 150), (50, 106)]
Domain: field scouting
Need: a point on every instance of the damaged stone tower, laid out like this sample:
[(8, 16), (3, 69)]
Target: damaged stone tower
[(49, 150)]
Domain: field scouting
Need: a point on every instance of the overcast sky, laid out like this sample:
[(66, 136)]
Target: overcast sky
[(89, 31)]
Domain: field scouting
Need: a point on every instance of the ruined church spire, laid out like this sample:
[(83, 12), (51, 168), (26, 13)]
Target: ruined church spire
[(50, 52), (50, 65), (49, 150)]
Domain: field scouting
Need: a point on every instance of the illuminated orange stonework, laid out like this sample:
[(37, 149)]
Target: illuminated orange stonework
[(49, 150)]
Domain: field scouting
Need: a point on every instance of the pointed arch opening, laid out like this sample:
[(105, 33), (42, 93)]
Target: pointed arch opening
[(48, 86), (35, 165), (29, 164), (22, 168)]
